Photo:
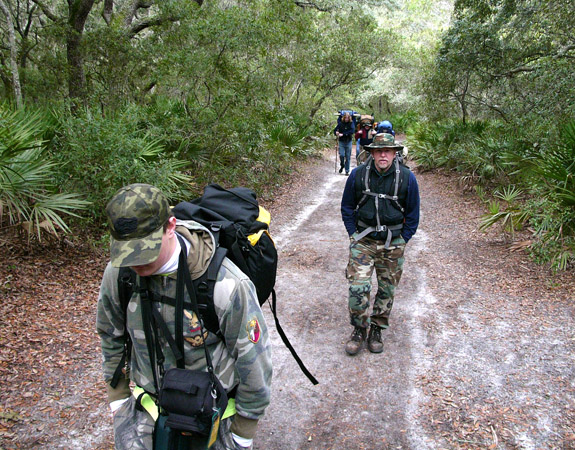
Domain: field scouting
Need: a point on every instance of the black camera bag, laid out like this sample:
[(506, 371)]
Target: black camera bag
[(189, 396)]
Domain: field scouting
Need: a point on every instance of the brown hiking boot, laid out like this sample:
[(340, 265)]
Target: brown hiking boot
[(355, 341), (374, 343)]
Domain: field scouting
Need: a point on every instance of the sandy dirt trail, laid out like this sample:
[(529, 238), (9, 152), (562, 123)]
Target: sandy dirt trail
[(365, 401)]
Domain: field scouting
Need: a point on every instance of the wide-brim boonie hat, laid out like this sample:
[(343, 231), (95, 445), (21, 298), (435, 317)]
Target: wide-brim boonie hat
[(136, 216), (384, 140)]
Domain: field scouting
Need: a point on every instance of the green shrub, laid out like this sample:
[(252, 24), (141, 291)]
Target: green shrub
[(28, 195), (402, 121), (510, 214), (554, 240), (99, 155), (530, 172)]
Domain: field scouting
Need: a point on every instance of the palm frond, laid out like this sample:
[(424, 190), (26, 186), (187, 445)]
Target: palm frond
[(26, 191)]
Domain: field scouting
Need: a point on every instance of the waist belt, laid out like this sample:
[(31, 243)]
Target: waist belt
[(378, 228), (146, 401)]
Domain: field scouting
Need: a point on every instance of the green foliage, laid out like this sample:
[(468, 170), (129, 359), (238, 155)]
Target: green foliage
[(99, 155), (549, 171), (475, 149), (169, 145), (556, 169), (510, 215), (425, 146), (286, 137), (554, 241), (512, 62), (402, 121), (532, 179), (28, 194)]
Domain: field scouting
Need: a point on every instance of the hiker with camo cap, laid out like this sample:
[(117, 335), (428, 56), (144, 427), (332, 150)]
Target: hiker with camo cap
[(149, 239), (380, 211)]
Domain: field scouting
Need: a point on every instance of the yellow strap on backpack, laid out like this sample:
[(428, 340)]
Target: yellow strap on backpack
[(264, 217), (231, 408), (150, 406)]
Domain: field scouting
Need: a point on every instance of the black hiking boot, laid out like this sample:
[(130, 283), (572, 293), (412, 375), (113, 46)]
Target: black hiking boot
[(355, 341), (341, 164), (374, 343)]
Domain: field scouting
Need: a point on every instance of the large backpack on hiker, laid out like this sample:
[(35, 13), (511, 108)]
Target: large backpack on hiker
[(354, 116), (385, 126), (241, 228)]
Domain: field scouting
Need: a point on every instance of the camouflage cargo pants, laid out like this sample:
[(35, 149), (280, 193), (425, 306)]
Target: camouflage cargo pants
[(365, 256), (134, 430)]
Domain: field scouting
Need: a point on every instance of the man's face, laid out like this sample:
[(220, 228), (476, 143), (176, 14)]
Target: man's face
[(382, 158)]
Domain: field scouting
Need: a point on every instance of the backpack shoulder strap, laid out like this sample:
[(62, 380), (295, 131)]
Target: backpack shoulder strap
[(204, 286), (126, 283), (362, 181), (287, 343), (396, 187)]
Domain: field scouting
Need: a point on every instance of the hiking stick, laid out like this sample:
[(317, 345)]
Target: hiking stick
[(336, 152)]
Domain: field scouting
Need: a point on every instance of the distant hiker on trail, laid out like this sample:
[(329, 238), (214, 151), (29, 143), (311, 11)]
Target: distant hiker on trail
[(364, 136), (344, 132), (166, 254), (380, 211)]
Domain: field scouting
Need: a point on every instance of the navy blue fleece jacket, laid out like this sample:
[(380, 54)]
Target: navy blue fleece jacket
[(348, 204)]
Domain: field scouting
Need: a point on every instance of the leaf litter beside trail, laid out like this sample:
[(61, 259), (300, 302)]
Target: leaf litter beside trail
[(49, 365), (502, 334)]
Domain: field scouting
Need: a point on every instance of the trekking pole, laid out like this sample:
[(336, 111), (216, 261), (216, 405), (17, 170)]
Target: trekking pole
[(336, 152)]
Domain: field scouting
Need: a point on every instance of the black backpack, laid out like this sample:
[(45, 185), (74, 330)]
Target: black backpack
[(240, 227), (234, 216)]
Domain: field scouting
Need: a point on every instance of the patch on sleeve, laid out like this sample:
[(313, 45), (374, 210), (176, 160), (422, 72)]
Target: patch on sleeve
[(254, 331)]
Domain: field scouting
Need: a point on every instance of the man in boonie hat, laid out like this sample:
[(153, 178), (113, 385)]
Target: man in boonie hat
[(146, 237), (380, 211)]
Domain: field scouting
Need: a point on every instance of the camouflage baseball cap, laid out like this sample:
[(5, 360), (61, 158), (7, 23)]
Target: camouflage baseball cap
[(136, 215), (384, 140)]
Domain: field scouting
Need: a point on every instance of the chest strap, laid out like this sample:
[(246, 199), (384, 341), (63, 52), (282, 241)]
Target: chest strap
[(394, 198)]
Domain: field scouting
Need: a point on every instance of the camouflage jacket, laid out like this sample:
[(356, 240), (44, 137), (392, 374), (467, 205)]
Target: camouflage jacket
[(242, 359)]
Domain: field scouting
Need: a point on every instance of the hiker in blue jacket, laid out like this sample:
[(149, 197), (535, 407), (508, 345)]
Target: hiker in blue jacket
[(380, 211), (344, 131)]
